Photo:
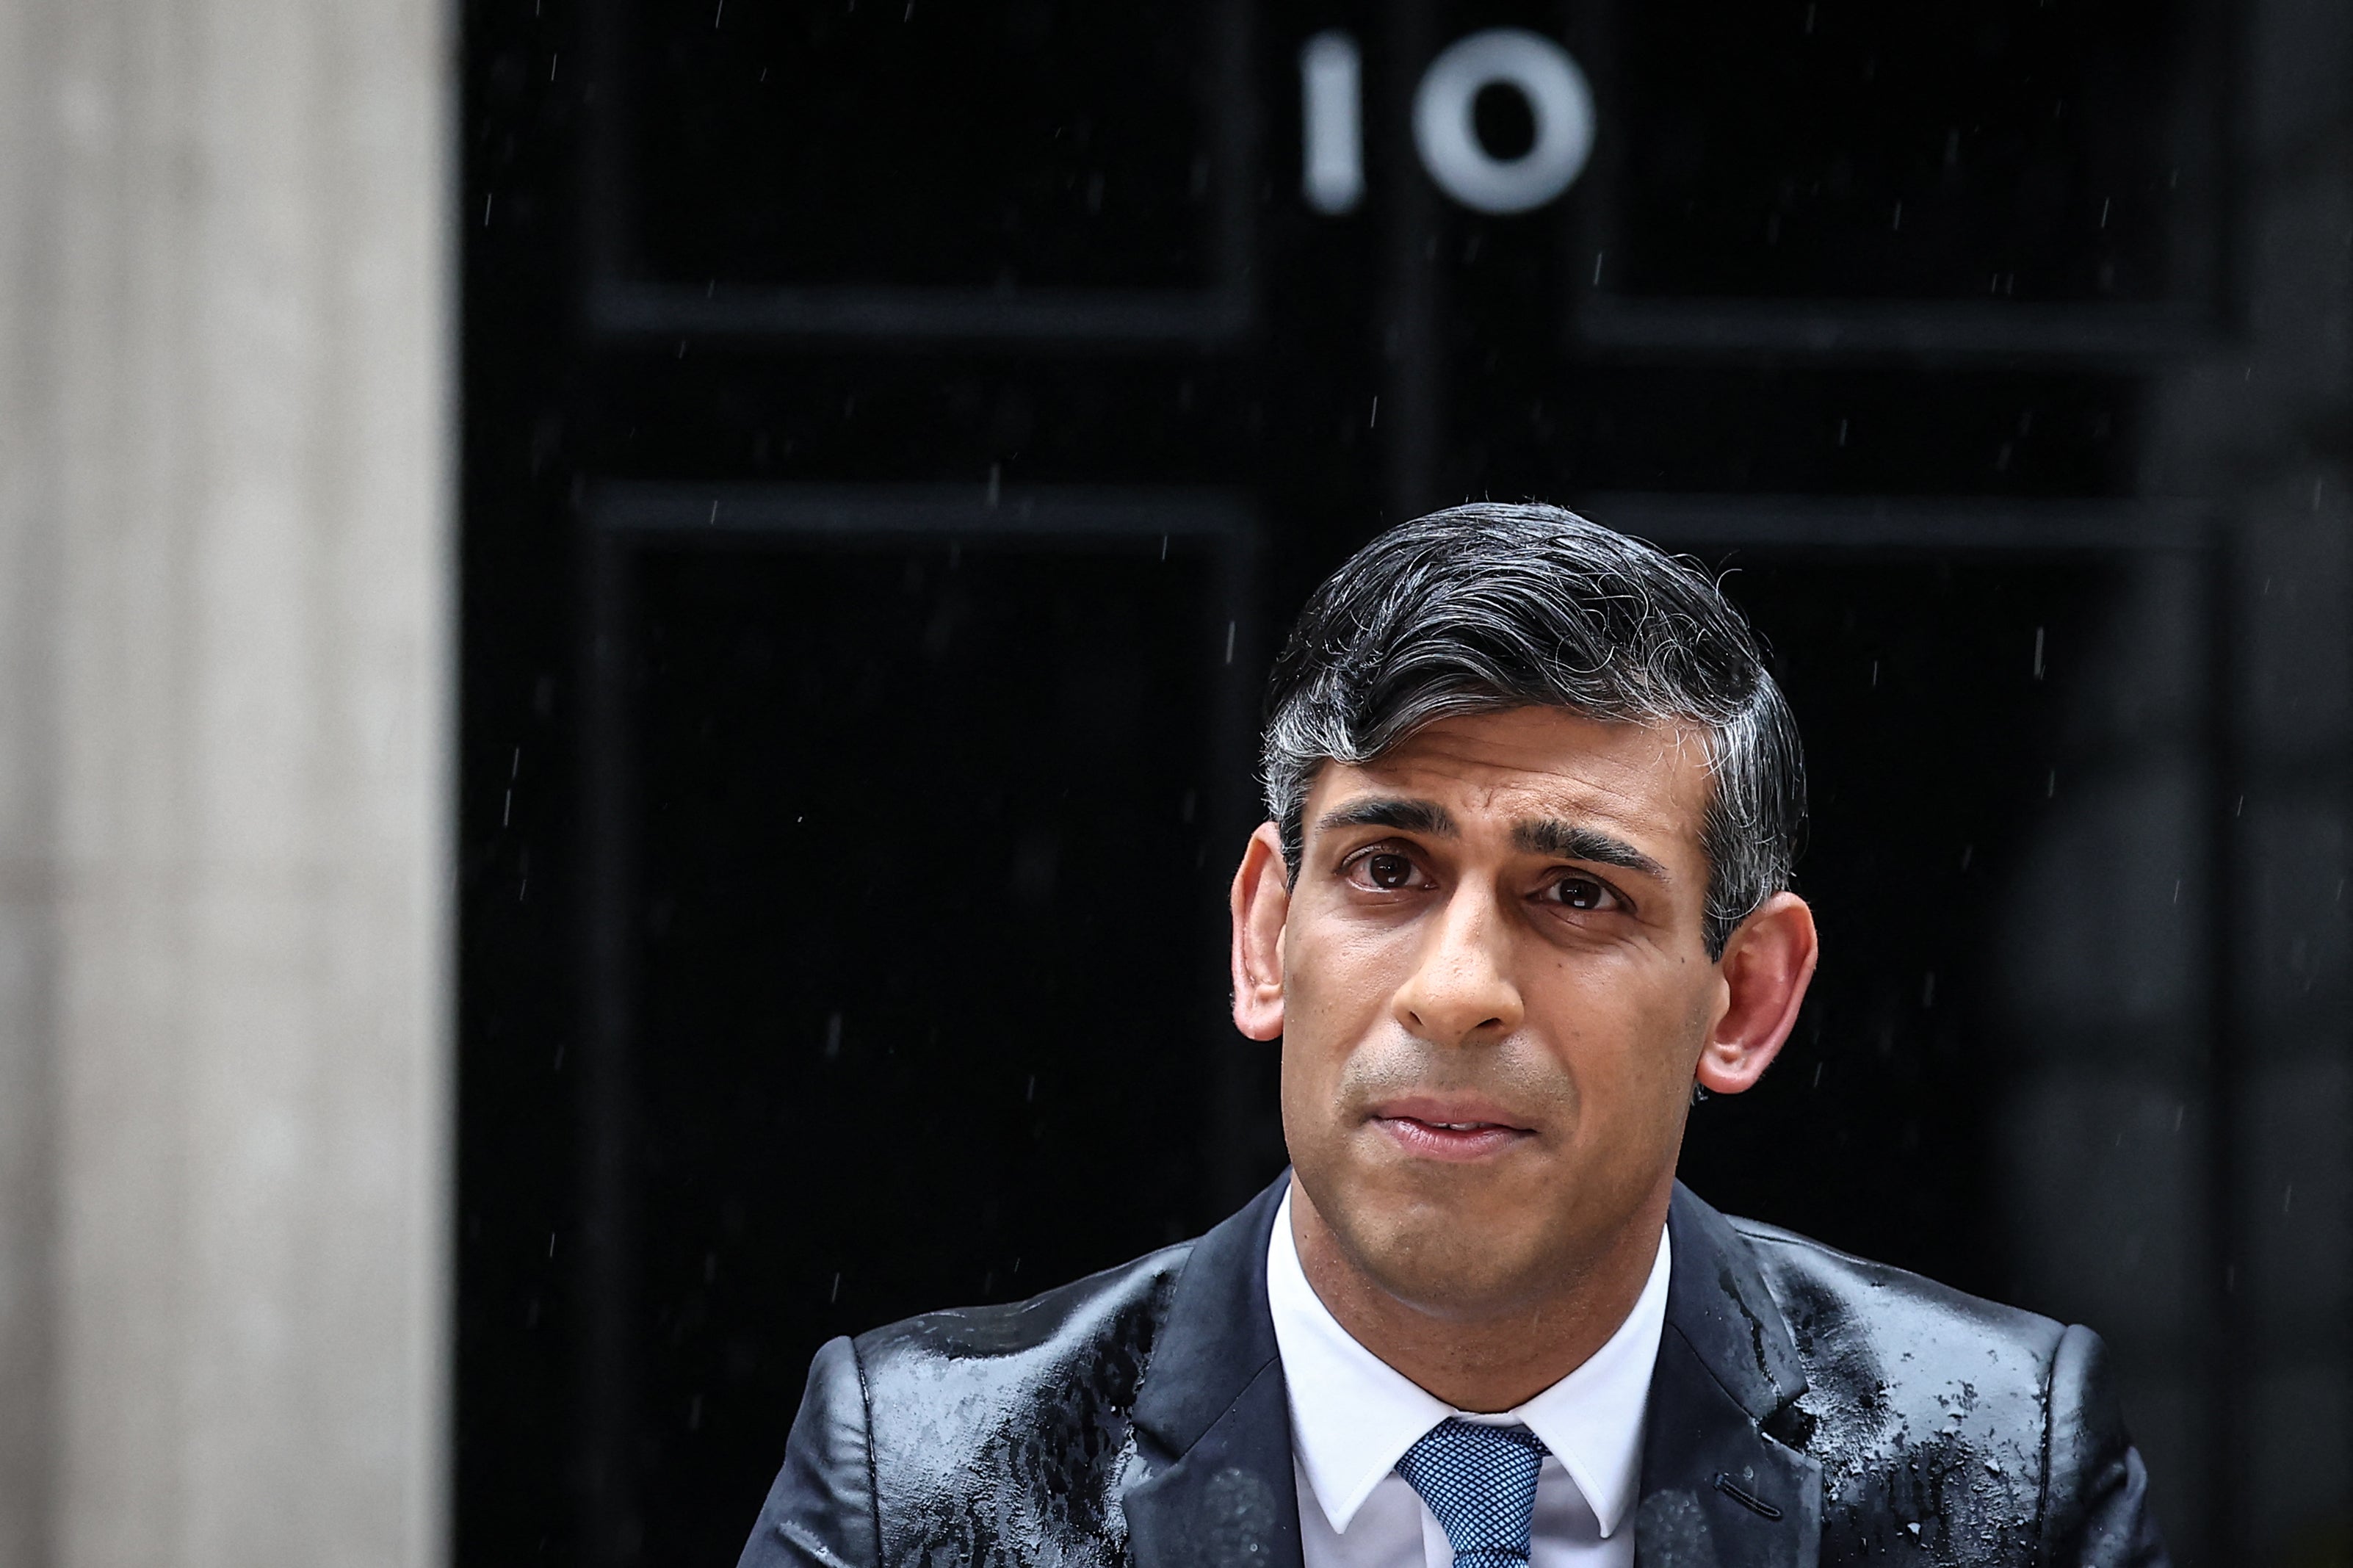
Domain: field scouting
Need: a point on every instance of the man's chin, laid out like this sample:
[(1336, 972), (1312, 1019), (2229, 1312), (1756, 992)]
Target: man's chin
[(1455, 1295), (1444, 1265)]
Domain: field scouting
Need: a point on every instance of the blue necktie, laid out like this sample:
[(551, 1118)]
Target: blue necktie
[(1481, 1482)]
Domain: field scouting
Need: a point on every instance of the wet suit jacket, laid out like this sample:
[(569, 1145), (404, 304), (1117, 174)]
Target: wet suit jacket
[(1806, 1408)]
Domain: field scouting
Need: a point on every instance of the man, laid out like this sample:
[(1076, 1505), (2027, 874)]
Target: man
[(1533, 802)]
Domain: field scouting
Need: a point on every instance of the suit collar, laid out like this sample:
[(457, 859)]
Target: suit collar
[(1219, 1334), (1718, 1491), (1213, 1485), (1719, 1304), (1357, 1416)]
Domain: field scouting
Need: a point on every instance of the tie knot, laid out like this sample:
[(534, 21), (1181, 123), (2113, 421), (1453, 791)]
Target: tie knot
[(1480, 1482)]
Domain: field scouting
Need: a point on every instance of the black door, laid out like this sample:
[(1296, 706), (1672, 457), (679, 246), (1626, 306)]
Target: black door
[(896, 434)]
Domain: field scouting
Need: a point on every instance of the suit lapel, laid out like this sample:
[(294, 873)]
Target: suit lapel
[(1717, 1491), (1212, 1486)]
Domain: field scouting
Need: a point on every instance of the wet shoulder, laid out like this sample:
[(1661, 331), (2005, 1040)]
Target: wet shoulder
[(1005, 1428), (1927, 1407), (1005, 1335)]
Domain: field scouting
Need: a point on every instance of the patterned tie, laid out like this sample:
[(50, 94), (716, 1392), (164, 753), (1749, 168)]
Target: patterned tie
[(1481, 1483)]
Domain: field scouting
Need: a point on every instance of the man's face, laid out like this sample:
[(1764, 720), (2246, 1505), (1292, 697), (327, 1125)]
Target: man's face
[(1494, 994)]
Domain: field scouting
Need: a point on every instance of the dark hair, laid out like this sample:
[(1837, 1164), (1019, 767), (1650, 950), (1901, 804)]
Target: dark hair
[(1488, 606)]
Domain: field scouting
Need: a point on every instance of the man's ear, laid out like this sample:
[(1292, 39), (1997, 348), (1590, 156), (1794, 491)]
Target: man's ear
[(1766, 966), (1261, 901)]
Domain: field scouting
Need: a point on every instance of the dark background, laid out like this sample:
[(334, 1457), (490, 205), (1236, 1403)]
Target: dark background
[(895, 437)]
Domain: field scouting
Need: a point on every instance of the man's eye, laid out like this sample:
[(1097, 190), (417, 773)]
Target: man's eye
[(1581, 893), (1388, 871)]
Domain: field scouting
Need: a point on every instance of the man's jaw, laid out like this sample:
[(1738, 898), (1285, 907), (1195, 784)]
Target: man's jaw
[(1451, 1127)]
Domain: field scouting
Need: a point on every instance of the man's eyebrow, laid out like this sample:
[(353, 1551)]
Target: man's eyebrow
[(1570, 842), (1391, 811)]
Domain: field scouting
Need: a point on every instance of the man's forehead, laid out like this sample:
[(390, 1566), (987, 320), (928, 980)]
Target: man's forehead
[(1528, 758)]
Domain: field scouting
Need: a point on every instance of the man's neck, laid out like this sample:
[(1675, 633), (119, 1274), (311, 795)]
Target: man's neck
[(1485, 1363)]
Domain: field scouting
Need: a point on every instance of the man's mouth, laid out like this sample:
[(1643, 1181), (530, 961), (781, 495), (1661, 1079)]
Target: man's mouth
[(1445, 1132)]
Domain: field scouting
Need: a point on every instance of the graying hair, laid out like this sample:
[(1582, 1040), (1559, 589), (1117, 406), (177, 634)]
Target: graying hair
[(1491, 606)]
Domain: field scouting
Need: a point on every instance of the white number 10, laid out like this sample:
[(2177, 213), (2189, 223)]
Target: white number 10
[(1539, 70)]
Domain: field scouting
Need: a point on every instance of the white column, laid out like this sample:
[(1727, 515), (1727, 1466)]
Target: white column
[(224, 687)]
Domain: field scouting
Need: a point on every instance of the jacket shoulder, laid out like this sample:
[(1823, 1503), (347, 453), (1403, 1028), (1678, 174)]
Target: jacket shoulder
[(1951, 1430), (1001, 1335), (1002, 1433), (1825, 1290), (1927, 1409)]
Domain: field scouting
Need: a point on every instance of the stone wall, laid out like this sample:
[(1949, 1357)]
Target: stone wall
[(225, 556)]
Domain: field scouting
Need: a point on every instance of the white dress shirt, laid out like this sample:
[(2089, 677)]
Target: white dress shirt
[(1352, 1416)]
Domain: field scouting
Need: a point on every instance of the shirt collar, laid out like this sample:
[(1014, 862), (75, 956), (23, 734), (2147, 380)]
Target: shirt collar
[(1352, 1415)]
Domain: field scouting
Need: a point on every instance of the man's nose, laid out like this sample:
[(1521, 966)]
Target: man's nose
[(1461, 990)]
